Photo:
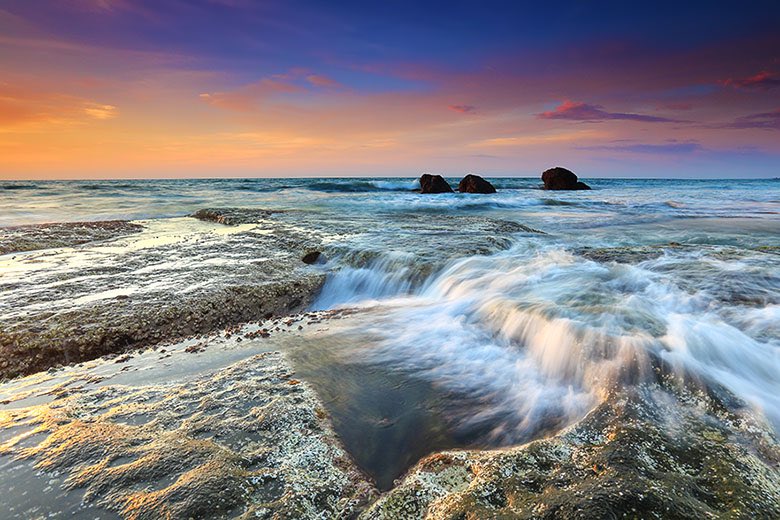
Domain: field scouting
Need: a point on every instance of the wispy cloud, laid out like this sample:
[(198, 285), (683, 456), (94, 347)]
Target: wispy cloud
[(577, 111), (463, 109), (763, 80), (539, 139), (669, 147), (766, 120), (318, 80), (249, 97), (22, 106)]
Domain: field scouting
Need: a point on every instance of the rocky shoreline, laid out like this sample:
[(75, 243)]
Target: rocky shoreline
[(175, 402), (144, 293), (157, 284), (219, 427)]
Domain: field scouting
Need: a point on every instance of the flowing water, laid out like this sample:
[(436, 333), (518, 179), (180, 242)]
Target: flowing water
[(490, 320)]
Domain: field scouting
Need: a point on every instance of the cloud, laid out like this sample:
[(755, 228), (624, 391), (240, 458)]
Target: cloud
[(323, 81), (766, 120), (22, 105), (249, 97), (576, 111), (539, 139), (763, 80), (99, 111), (463, 109), (669, 147), (675, 106)]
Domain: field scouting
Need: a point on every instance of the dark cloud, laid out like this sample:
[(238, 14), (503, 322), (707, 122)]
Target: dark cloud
[(576, 111)]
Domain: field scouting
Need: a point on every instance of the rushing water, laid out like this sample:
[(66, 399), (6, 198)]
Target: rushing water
[(506, 335)]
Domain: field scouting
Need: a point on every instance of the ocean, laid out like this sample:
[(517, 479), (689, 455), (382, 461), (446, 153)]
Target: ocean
[(475, 321)]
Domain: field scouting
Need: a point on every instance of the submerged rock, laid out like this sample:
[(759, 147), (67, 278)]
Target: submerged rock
[(562, 179), (434, 184), (475, 184)]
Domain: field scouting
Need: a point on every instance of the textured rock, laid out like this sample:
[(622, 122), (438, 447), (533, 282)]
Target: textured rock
[(312, 257), (246, 439), (475, 184), (642, 454), (177, 278), (434, 184), (562, 179), (65, 234)]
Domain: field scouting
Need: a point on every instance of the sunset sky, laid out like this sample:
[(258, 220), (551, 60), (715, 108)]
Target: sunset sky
[(209, 88)]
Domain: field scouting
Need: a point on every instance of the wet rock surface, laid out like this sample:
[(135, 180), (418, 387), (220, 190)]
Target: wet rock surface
[(312, 257), (242, 440), (475, 184), (64, 234), (188, 276), (562, 179), (178, 278), (233, 216), (644, 453), (434, 184)]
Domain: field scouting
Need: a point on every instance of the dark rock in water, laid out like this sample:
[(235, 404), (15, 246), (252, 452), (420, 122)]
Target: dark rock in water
[(313, 257), (434, 184), (475, 184), (562, 179)]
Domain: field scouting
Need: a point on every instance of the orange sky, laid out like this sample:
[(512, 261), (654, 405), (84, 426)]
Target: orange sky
[(100, 106)]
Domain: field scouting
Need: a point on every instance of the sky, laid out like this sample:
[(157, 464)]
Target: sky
[(242, 88)]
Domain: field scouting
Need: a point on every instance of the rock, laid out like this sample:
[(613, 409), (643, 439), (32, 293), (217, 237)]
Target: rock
[(633, 456), (562, 179), (475, 184), (434, 184), (246, 438), (313, 257)]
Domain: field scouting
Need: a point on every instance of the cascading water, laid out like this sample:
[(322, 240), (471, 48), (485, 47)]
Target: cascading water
[(537, 338)]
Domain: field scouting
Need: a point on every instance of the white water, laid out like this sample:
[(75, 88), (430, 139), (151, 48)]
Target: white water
[(541, 336)]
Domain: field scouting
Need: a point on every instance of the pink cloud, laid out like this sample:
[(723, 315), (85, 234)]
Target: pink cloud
[(322, 81), (577, 111), (247, 97), (763, 80), (463, 109)]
